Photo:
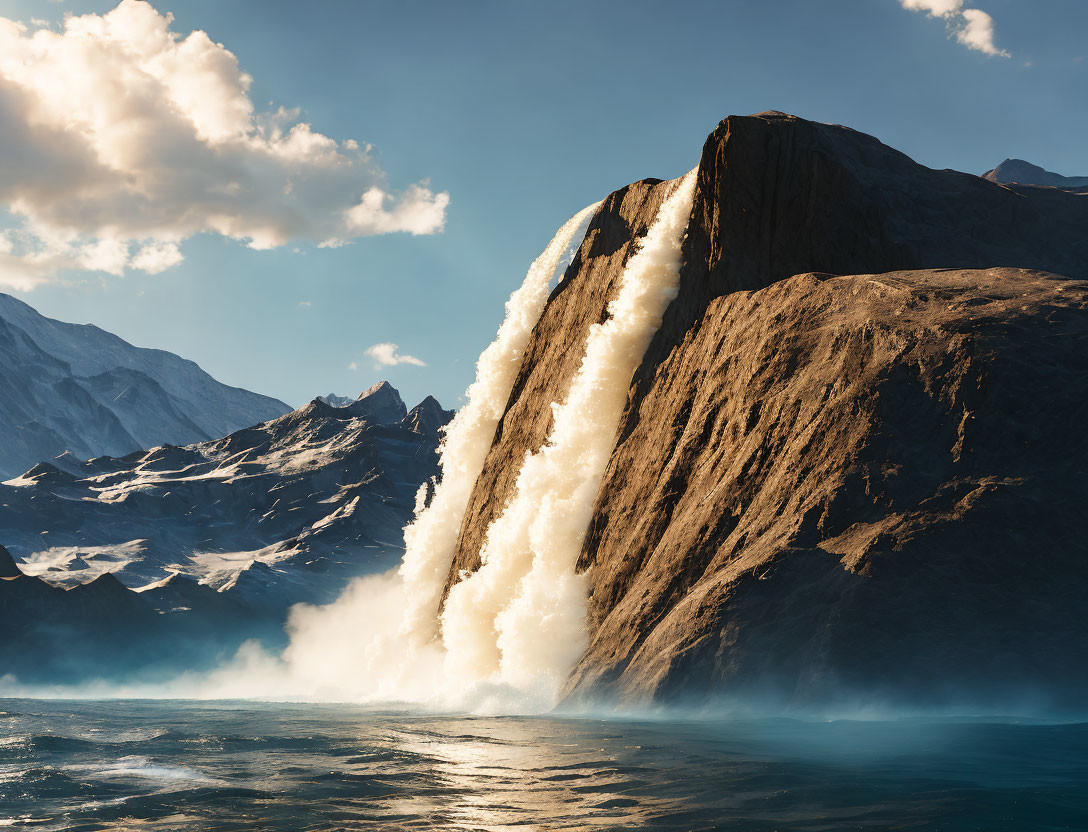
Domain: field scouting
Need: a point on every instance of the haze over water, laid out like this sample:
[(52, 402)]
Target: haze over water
[(242, 765)]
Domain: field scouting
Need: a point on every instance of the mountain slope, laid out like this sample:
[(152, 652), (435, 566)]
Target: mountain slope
[(811, 473), (219, 537), (319, 482), (77, 388)]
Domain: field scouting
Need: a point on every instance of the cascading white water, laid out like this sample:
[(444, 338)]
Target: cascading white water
[(520, 618), (512, 630), (376, 641), (431, 538)]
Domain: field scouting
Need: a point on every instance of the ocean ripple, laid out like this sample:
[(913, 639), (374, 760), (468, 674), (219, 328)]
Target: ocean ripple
[(184, 766)]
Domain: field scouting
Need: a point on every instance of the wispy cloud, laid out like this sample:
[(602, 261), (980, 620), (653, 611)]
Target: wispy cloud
[(123, 138), (973, 28), (386, 355), (304, 304)]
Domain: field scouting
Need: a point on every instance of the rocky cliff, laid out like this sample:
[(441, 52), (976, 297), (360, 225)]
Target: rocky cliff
[(863, 485)]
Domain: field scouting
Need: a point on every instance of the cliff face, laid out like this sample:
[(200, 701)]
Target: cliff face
[(865, 485), (824, 486)]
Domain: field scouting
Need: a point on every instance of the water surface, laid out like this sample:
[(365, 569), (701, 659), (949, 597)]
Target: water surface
[(154, 765)]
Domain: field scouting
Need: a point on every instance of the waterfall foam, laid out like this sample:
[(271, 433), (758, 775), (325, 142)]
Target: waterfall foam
[(431, 538), (519, 619)]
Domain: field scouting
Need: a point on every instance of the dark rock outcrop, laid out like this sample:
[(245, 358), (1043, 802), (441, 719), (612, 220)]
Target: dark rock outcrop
[(8, 569), (861, 486), (428, 416)]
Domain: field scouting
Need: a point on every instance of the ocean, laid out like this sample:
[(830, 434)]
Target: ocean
[(184, 765)]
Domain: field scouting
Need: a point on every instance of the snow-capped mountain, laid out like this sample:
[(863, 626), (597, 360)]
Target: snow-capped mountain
[(380, 402), (219, 537), (79, 389)]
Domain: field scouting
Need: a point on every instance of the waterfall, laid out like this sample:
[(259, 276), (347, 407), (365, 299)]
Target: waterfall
[(519, 619), (430, 540), (512, 630)]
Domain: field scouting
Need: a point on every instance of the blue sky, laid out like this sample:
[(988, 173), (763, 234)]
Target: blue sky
[(524, 113)]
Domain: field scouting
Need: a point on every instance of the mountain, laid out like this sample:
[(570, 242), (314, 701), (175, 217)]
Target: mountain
[(851, 463), (78, 389), (1024, 173), (335, 400), (216, 539)]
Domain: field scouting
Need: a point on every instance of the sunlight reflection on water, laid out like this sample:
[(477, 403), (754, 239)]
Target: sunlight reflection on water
[(511, 775), (183, 766)]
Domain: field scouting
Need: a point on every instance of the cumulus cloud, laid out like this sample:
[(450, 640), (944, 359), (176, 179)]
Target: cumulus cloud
[(123, 138), (973, 28), (386, 355), (978, 32)]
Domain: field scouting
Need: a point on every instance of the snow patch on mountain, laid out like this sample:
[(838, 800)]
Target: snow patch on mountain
[(80, 391)]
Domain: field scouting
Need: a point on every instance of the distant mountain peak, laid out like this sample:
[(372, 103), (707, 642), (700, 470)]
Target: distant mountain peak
[(1019, 172), (428, 416), (335, 400), (380, 403), (378, 388)]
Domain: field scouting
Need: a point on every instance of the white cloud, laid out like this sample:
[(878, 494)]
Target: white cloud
[(978, 32), (123, 138), (386, 355), (353, 366), (305, 304), (973, 28), (418, 211), (156, 257)]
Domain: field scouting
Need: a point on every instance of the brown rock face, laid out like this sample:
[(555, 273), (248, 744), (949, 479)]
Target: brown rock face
[(826, 487), (871, 488)]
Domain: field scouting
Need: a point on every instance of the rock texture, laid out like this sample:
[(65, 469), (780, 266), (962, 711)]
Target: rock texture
[(78, 389), (1024, 173), (868, 487), (831, 486)]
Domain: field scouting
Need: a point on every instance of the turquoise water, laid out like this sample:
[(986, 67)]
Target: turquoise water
[(154, 765)]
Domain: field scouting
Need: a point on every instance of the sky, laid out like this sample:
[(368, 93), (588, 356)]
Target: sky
[(318, 195)]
